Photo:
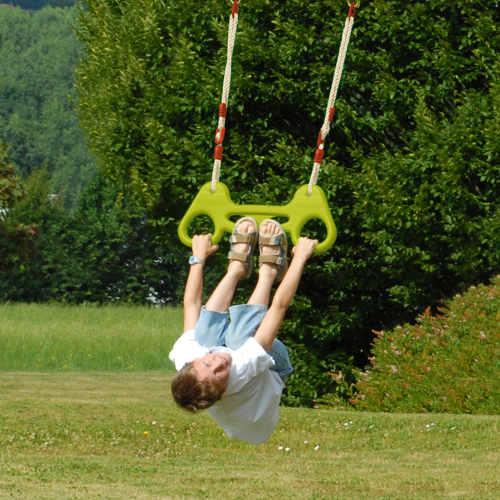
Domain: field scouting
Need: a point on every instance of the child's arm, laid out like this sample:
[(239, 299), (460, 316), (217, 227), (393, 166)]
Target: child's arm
[(202, 248), (269, 327)]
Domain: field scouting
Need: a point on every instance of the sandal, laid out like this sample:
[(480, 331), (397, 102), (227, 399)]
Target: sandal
[(249, 238), (280, 258)]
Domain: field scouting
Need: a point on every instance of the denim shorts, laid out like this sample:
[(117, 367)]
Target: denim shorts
[(214, 329)]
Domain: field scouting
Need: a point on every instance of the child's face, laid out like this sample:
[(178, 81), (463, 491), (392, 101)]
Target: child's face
[(215, 368)]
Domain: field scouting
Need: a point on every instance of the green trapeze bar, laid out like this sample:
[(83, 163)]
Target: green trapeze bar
[(219, 207)]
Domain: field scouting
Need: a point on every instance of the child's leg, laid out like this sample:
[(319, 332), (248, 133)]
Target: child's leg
[(223, 295), (262, 291), (211, 328), (246, 318)]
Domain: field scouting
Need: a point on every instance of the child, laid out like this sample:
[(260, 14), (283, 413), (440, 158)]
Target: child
[(237, 370)]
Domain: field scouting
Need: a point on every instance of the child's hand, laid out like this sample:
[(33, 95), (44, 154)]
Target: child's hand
[(202, 246), (304, 248)]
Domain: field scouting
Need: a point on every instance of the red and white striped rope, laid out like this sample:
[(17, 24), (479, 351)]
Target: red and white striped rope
[(221, 129), (330, 109)]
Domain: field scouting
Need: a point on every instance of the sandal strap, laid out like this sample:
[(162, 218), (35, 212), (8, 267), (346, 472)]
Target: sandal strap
[(250, 238), (271, 240), (272, 259), (243, 238), (280, 242), (243, 257)]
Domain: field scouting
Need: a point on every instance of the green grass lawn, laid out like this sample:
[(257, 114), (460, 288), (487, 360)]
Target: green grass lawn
[(67, 432), (118, 435), (37, 337)]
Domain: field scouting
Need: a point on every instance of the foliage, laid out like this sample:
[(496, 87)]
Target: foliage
[(411, 170), (38, 4), (39, 53), (17, 241), (101, 253), (11, 188), (446, 363), (312, 377)]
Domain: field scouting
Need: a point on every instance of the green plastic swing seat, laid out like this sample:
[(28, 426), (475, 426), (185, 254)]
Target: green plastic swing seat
[(219, 207)]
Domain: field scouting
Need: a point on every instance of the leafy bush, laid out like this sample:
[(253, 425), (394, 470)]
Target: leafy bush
[(312, 377), (17, 241), (446, 363), (411, 170), (101, 253)]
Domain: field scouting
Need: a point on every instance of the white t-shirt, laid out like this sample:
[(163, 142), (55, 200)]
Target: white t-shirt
[(249, 409)]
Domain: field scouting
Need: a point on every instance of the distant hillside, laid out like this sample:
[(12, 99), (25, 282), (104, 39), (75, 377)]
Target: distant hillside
[(38, 4)]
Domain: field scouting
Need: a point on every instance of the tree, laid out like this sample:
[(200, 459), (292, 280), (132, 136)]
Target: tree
[(39, 53), (410, 171), (17, 241)]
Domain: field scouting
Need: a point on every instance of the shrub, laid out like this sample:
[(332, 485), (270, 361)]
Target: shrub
[(101, 253), (17, 241), (445, 363)]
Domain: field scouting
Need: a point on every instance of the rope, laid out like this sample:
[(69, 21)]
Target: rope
[(221, 129), (330, 109)]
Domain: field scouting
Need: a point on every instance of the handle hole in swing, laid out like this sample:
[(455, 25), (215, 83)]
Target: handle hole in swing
[(314, 228), (201, 224)]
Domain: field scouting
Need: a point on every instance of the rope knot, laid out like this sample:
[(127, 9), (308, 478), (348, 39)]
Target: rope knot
[(318, 157), (218, 153)]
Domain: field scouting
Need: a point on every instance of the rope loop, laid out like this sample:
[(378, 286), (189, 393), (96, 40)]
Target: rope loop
[(220, 133), (352, 11), (235, 8)]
